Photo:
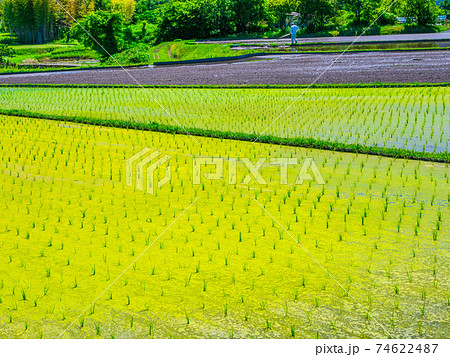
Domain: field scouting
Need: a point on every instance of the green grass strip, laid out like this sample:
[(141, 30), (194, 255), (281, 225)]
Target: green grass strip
[(267, 139), (233, 86)]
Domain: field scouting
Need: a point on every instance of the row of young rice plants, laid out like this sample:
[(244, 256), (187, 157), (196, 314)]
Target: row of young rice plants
[(226, 268), (407, 118)]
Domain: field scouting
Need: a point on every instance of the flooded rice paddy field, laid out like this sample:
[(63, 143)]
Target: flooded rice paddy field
[(365, 254)]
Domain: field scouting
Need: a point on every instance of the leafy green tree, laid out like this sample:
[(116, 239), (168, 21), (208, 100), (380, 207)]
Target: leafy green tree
[(194, 19), (316, 13), (445, 5), (183, 19), (146, 9), (423, 11), (106, 29), (247, 12), (222, 18), (104, 5), (365, 11), (280, 8), (354, 6)]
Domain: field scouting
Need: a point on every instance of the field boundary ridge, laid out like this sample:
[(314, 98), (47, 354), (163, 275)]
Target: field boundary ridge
[(310, 143), (230, 86)]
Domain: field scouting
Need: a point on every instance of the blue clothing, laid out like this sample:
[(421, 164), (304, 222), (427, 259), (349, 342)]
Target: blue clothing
[(294, 29)]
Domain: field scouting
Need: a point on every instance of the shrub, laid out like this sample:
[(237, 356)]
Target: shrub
[(5, 51)]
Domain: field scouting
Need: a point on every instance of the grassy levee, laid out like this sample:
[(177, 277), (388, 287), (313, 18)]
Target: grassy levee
[(268, 139)]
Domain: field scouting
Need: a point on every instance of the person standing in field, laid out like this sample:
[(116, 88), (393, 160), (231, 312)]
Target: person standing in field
[(294, 29)]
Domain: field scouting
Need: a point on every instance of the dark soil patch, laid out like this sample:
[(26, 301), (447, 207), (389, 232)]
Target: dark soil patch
[(386, 67)]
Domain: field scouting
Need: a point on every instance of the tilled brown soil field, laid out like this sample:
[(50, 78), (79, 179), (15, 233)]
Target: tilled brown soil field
[(368, 67)]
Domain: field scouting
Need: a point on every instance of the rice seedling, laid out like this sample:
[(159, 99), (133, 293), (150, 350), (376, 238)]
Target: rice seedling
[(268, 324), (98, 330), (150, 329)]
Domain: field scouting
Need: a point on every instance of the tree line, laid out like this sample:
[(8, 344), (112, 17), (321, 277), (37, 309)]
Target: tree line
[(114, 23), (42, 21)]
